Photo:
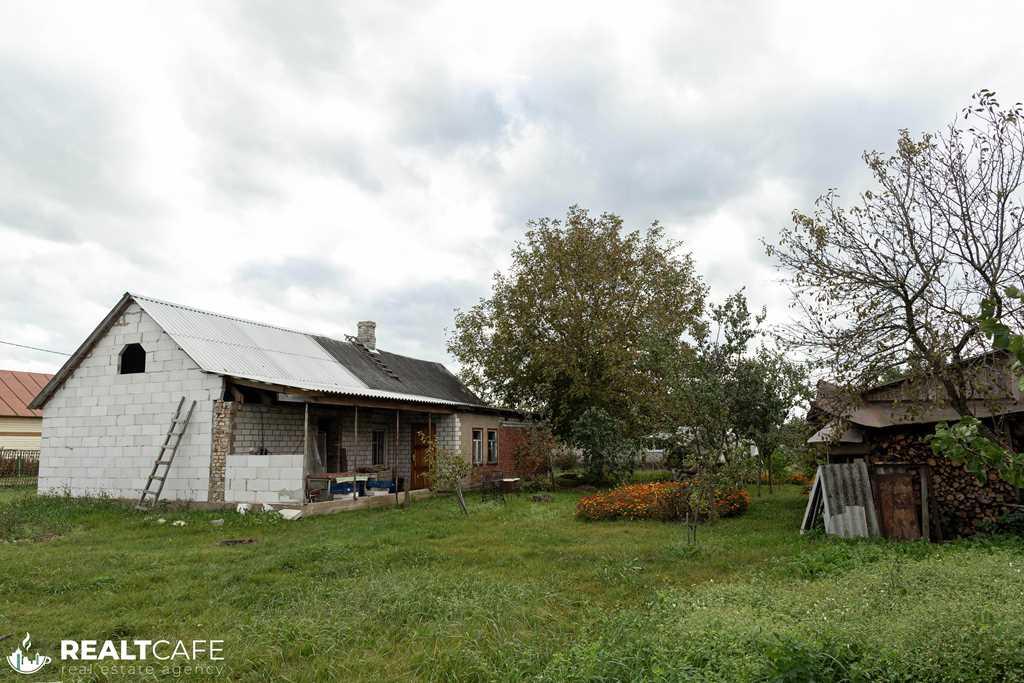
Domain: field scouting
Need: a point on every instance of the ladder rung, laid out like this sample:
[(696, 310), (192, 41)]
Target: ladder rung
[(171, 443)]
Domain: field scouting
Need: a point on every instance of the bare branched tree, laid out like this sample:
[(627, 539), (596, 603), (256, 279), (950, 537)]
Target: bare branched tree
[(893, 284)]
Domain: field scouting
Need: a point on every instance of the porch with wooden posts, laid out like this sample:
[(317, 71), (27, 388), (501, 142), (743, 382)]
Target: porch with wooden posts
[(355, 453)]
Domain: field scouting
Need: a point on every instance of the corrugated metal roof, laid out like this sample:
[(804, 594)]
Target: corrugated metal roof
[(391, 372), (274, 355), (230, 346), (843, 493), (268, 354), (17, 389)]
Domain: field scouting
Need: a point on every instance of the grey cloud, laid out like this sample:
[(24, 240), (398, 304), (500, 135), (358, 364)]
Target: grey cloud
[(306, 39), (411, 320), (444, 115), (61, 157), (306, 273), (246, 140)]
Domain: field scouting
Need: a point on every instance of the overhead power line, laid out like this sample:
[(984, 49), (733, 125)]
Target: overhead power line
[(34, 348)]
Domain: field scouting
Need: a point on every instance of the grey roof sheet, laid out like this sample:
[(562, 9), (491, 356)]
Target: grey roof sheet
[(392, 372), (278, 356), (843, 494), (275, 355)]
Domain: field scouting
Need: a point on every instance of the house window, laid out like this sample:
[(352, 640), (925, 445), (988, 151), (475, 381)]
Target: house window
[(377, 446), (133, 359), (478, 438), (492, 447)]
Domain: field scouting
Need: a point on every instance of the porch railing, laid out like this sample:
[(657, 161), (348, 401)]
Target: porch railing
[(18, 467)]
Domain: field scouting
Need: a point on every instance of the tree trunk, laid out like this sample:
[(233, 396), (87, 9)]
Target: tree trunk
[(462, 501)]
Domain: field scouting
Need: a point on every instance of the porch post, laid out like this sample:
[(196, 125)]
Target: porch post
[(305, 436), (355, 496), (398, 428)]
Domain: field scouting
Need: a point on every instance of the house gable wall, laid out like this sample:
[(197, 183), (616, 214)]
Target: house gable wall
[(21, 433), (101, 430)]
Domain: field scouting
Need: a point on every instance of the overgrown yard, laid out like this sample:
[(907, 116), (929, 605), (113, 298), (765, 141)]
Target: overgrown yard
[(514, 591)]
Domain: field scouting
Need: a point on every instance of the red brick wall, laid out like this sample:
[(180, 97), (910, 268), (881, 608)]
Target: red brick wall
[(509, 439)]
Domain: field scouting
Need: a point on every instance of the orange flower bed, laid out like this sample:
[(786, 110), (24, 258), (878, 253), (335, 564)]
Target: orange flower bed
[(800, 479), (665, 500)]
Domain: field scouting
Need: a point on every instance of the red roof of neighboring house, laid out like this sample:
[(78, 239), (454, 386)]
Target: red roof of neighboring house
[(17, 389)]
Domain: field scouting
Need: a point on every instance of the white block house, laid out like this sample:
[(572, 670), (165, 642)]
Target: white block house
[(274, 407)]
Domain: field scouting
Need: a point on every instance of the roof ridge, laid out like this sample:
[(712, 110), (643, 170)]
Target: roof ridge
[(225, 316), (347, 337)]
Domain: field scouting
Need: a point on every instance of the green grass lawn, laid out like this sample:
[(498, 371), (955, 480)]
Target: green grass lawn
[(521, 590)]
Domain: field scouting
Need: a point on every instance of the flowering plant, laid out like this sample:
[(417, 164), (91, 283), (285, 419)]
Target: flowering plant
[(665, 500)]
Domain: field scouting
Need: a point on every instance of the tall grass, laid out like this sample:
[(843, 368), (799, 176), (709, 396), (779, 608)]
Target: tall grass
[(513, 592)]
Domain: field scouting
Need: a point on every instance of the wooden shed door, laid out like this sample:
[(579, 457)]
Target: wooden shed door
[(896, 503)]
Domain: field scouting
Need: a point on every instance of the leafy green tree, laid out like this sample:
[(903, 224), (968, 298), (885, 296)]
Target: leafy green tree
[(588, 315), (767, 388), (446, 469), (792, 449), (701, 408), (890, 284), (967, 441), (609, 456), (708, 448)]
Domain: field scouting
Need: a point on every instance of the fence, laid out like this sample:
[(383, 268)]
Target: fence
[(18, 467)]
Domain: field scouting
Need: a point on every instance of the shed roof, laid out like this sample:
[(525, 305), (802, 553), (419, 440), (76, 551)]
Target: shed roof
[(273, 355), (17, 389)]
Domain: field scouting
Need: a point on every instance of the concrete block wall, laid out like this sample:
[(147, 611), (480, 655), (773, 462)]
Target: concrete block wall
[(102, 430), (282, 432), (263, 478), (449, 432)]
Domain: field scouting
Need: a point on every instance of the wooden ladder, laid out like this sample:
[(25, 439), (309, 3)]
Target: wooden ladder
[(165, 456)]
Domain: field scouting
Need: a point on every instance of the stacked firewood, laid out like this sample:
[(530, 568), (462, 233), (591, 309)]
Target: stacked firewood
[(961, 501)]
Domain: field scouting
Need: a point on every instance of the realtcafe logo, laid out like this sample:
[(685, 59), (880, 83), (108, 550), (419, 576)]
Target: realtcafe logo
[(22, 663), (90, 658)]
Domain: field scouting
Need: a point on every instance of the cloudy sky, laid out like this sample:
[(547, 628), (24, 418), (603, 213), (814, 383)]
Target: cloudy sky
[(311, 164)]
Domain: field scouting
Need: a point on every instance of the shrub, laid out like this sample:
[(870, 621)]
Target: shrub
[(655, 500), (569, 479), (799, 478), (566, 458), (609, 455), (648, 476), (533, 449)]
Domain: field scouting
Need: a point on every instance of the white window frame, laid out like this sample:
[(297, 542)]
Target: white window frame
[(478, 440), (378, 456), (492, 451)]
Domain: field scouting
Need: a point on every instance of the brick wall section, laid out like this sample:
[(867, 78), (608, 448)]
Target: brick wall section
[(102, 430), (222, 445), (359, 451), (278, 428), (283, 432), (509, 437)]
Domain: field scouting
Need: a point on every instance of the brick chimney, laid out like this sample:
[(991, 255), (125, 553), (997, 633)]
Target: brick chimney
[(367, 334)]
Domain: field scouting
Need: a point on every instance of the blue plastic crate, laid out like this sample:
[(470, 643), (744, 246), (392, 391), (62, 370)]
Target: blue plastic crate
[(388, 484)]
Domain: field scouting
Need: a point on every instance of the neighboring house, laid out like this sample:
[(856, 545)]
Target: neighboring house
[(274, 406), (888, 426), (20, 426)]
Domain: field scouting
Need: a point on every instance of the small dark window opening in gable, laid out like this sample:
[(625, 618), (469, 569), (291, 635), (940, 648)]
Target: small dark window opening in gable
[(133, 359)]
